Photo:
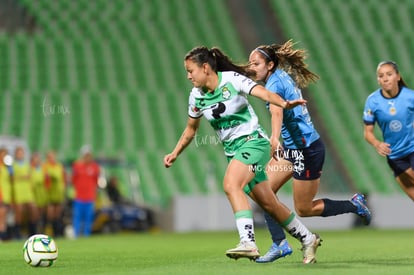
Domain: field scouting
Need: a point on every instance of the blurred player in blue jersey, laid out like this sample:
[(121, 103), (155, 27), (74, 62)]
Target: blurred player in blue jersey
[(392, 108), (303, 152), (220, 95)]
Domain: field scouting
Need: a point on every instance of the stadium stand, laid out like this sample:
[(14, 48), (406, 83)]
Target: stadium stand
[(109, 73)]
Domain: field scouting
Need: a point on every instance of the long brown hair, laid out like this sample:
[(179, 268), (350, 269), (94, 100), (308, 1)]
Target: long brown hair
[(217, 60), (290, 60)]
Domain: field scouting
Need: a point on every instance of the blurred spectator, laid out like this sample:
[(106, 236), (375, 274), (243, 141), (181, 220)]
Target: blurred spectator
[(3, 219), (112, 189), (55, 183), (5, 193), (85, 174), (23, 194), (39, 188)]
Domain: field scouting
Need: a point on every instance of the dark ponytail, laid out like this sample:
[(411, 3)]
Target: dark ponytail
[(217, 60)]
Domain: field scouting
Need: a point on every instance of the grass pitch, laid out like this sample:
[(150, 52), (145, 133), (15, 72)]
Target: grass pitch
[(359, 251)]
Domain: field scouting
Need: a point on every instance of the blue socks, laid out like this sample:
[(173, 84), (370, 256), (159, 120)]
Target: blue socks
[(276, 231)]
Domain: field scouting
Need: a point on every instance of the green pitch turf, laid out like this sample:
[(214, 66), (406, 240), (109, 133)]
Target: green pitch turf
[(359, 251)]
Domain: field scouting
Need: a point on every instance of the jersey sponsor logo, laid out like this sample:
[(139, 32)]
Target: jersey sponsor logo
[(218, 109), (395, 126), (223, 124), (194, 109)]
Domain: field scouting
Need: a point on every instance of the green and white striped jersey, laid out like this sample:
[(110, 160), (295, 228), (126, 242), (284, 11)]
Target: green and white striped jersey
[(227, 109)]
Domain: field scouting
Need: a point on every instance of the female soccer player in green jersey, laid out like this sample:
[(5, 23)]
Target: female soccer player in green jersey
[(220, 95)]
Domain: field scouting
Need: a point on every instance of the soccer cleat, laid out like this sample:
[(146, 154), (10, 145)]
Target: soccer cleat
[(362, 209), (275, 252), (244, 250), (309, 251)]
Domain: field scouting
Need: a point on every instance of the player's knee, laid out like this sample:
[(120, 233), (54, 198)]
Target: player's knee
[(303, 211), (230, 188)]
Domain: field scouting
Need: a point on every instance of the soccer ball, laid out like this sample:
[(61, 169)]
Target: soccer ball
[(40, 250)]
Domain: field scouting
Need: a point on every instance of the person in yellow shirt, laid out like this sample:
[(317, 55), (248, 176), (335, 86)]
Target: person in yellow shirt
[(5, 193), (55, 182), (23, 194), (38, 178)]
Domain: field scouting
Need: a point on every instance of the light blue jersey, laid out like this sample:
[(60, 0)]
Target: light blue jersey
[(395, 117), (297, 128)]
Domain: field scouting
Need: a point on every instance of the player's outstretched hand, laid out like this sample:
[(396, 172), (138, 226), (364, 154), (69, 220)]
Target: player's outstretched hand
[(293, 103)]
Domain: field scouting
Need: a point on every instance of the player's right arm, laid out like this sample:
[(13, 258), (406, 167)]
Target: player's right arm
[(185, 139), (274, 98), (382, 148), (276, 122)]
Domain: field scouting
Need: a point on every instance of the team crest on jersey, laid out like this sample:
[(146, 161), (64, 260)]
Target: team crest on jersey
[(226, 93), (395, 126), (392, 109)]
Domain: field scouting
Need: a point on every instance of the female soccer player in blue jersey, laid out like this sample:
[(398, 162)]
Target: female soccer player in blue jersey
[(303, 149), (220, 95), (392, 108)]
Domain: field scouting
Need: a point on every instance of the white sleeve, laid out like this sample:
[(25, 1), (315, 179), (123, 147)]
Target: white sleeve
[(243, 83), (193, 110)]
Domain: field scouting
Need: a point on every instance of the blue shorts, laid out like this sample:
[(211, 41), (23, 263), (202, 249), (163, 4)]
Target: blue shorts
[(308, 162), (400, 165)]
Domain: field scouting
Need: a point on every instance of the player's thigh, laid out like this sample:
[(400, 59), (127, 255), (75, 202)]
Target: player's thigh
[(406, 181), (278, 173), (249, 163), (407, 178), (237, 175)]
